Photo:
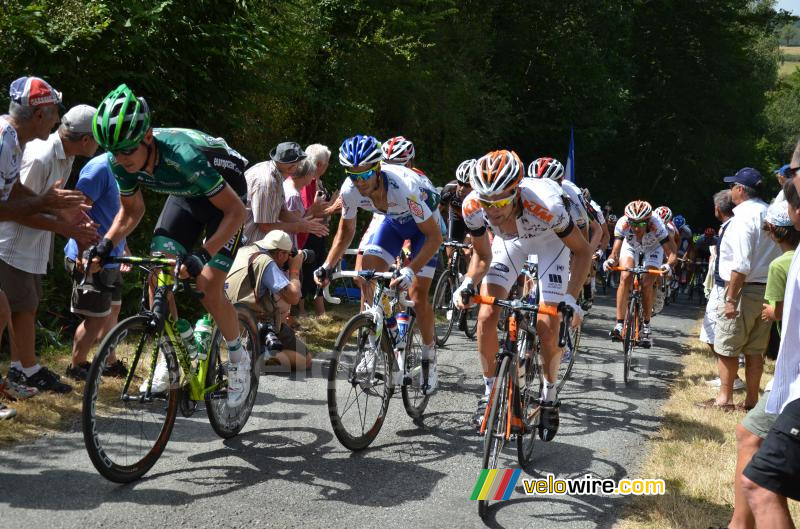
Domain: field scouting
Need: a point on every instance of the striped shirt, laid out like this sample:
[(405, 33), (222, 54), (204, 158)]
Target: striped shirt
[(265, 198), (43, 162), (10, 158)]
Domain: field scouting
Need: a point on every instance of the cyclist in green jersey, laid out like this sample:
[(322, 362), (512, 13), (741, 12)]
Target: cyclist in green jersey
[(204, 179)]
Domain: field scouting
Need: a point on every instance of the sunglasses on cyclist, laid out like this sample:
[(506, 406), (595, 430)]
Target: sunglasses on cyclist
[(363, 175), (126, 152), (641, 224), (501, 203)]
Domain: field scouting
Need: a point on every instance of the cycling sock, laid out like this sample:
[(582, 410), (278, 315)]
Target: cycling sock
[(30, 371), (549, 394), (488, 384), (428, 352), (235, 351), (16, 364)]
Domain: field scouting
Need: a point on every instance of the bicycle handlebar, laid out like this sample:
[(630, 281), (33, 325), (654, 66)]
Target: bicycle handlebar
[(87, 281), (637, 270), (368, 275), (517, 304), (456, 244)]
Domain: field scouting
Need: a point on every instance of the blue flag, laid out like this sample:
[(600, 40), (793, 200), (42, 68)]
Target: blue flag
[(570, 170)]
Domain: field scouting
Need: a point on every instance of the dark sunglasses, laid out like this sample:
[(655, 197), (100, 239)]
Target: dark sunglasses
[(363, 175), (641, 224), (127, 152)]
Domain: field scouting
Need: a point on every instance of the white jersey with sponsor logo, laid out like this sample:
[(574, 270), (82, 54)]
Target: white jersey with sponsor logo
[(544, 212), (10, 158), (410, 196), (655, 235)]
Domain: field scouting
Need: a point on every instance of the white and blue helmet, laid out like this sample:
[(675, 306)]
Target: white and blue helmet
[(360, 150)]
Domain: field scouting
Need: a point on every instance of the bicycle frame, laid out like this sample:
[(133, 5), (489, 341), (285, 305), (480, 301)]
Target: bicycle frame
[(162, 322)]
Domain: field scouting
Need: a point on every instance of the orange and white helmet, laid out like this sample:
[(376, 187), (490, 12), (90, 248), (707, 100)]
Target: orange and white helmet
[(638, 210), (546, 168), (397, 151), (496, 172)]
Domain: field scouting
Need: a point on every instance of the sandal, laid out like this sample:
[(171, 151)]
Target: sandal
[(712, 404)]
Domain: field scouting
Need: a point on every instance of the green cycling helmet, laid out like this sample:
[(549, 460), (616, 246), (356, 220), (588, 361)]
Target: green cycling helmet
[(121, 120)]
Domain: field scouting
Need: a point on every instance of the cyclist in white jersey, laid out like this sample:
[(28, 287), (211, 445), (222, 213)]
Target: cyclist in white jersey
[(409, 204), (599, 251), (527, 217), (639, 236)]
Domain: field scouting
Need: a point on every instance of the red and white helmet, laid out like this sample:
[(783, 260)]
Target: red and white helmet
[(546, 168), (496, 172), (638, 210), (397, 151), (664, 213)]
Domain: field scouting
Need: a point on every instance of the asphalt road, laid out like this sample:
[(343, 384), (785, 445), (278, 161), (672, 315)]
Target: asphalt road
[(286, 469)]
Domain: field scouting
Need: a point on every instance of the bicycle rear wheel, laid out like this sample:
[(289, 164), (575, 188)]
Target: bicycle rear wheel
[(495, 433), (124, 432), (531, 391), (359, 383), (413, 399), (444, 313), (565, 368), (229, 421)]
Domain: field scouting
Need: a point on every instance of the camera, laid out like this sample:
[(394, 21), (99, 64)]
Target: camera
[(269, 338), (309, 256)]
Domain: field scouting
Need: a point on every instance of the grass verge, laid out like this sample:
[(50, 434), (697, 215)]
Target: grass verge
[(48, 413), (694, 453)]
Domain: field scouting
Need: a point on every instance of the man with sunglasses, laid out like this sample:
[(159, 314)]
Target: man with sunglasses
[(204, 179), (408, 201), (527, 217), (453, 195), (639, 236)]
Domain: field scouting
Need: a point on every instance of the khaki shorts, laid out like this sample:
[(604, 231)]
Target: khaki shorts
[(758, 421), (23, 289), (747, 333)]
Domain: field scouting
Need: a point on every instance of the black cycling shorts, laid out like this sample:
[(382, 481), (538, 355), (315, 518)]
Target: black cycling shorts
[(182, 223), (456, 229)]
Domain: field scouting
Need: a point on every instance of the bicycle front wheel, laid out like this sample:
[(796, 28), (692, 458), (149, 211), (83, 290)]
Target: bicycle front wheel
[(413, 398), (124, 430), (568, 357), (228, 421), (359, 383), (629, 338), (495, 432), (530, 388), (444, 313)]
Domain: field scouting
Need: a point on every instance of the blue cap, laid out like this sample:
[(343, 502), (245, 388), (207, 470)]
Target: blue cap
[(783, 170), (746, 176)]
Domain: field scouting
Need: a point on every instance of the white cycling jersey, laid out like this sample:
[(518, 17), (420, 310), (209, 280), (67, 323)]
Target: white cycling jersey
[(655, 235), (542, 222), (577, 207), (598, 212), (10, 158), (410, 196)]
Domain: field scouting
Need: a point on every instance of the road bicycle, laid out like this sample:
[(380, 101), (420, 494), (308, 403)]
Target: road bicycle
[(445, 313), (126, 423), (514, 407), (634, 316), (370, 359), (697, 280)]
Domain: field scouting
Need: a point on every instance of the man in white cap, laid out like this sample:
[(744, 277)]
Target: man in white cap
[(25, 250), (258, 279)]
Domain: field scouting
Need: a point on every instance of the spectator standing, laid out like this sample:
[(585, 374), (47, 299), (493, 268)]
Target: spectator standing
[(771, 475), (100, 310), (25, 249), (745, 253), (723, 211), (266, 205), (754, 428), (318, 200)]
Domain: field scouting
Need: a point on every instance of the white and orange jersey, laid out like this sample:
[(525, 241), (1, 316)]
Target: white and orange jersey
[(655, 235), (544, 214)]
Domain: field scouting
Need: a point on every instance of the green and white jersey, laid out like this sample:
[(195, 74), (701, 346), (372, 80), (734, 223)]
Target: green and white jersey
[(190, 163)]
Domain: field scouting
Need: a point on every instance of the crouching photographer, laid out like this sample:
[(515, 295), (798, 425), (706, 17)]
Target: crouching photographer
[(272, 266)]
